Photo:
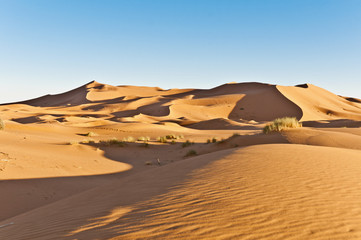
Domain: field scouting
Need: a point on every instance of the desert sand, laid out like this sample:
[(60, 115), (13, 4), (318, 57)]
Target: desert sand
[(78, 165)]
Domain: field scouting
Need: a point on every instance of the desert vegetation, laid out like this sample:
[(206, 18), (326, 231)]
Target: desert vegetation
[(143, 139), (280, 124), (172, 137), (113, 141), (2, 124), (162, 139), (91, 134), (211, 140)]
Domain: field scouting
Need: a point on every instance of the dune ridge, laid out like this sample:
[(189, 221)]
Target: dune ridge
[(235, 102), (76, 165)]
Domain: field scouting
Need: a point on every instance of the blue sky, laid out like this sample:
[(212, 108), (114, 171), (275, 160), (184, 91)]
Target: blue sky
[(51, 46)]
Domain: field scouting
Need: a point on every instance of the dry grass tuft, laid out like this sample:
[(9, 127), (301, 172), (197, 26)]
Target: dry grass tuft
[(280, 124), (2, 124), (143, 139), (162, 139), (73, 143), (129, 139), (91, 134), (113, 141)]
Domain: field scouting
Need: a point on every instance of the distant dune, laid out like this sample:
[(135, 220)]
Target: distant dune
[(236, 101), (128, 162)]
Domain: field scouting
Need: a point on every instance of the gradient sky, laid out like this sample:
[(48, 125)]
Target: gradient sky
[(51, 46)]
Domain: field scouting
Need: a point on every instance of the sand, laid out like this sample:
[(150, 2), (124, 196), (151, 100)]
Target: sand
[(59, 182)]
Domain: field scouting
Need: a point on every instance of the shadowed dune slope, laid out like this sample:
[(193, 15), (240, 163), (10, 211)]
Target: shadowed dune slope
[(237, 101), (317, 103), (92, 163), (258, 192)]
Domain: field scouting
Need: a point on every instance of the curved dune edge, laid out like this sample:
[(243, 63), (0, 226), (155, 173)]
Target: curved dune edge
[(236, 102), (249, 186), (253, 196), (320, 104), (326, 138)]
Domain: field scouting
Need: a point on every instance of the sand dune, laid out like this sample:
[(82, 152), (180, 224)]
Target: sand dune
[(253, 196), (77, 165), (318, 104), (240, 101)]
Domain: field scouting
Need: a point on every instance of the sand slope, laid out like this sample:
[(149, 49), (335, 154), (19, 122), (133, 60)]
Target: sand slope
[(317, 103), (296, 192), (237, 102), (62, 178)]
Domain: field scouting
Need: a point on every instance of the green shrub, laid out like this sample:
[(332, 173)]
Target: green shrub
[(191, 153), (282, 123), (214, 140)]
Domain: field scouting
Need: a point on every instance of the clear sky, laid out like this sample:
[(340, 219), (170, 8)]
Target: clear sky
[(51, 46)]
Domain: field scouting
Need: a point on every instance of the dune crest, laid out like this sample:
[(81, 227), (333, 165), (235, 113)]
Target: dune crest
[(319, 104), (130, 162), (236, 102)]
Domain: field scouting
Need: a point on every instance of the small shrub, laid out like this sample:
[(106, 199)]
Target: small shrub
[(149, 163), (129, 139), (235, 134), (187, 144), (112, 141), (214, 140), (172, 136), (173, 142), (162, 139), (73, 143), (191, 153), (91, 134), (209, 141), (144, 139), (2, 124), (282, 123)]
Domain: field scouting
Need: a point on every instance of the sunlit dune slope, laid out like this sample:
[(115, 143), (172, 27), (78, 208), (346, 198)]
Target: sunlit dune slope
[(76, 165), (317, 103), (257, 192), (236, 102)]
